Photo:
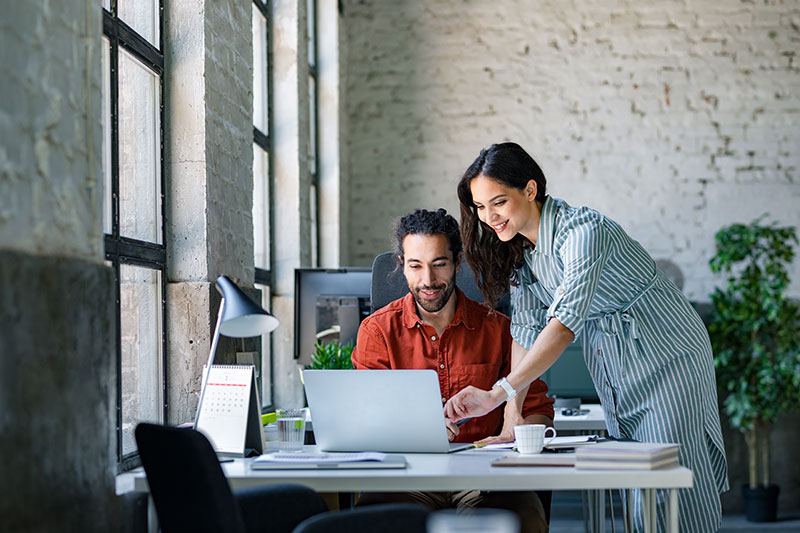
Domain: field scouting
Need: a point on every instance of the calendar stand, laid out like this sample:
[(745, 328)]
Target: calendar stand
[(230, 416)]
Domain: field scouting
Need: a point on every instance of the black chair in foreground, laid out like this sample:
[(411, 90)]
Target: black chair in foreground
[(385, 518), (191, 493)]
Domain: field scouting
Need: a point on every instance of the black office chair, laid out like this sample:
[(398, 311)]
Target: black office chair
[(389, 284), (386, 518), (191, 493)]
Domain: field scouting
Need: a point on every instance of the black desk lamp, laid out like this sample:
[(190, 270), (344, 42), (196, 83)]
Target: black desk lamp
[(238, 317)]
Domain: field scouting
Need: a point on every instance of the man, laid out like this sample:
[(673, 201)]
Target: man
[(436, 327)]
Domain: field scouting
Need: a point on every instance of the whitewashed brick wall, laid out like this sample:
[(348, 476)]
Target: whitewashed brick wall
[(672, 117)]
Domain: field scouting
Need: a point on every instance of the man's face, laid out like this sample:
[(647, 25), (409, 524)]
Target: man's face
[(430, 270)]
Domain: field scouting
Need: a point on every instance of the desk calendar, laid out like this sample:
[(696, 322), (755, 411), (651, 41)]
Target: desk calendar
[(231, 415)]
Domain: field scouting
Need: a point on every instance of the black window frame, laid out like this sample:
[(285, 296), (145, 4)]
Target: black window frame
[(121, 250)]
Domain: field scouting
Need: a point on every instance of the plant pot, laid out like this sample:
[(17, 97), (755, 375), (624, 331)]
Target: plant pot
[(761, 503)]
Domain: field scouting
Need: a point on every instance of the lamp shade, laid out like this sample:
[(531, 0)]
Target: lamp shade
[(241, 317)]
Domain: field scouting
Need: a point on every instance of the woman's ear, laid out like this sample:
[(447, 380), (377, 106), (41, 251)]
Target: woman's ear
[(531, 190)]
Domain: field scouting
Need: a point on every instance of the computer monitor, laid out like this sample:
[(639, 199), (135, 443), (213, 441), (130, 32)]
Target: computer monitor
[(329, 305)]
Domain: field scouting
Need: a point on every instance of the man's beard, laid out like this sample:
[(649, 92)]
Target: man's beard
[(435, 305)]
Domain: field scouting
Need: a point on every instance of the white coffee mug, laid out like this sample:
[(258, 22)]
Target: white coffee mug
[(530, 437)]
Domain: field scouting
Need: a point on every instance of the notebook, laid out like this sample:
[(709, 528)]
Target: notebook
[(329, 461), (378, 410)]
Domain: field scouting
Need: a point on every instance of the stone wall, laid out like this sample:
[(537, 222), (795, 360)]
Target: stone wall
[(673, 118)]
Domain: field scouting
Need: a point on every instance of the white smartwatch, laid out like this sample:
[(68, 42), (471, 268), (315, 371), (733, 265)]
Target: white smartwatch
[(510, 392)]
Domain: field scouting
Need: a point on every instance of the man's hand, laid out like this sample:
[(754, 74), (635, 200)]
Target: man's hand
[(471, 402), (452, 429)]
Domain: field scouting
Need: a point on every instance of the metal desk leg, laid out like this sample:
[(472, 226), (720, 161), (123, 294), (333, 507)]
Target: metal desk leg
[(672, 525), (627, 511), (647, 511), (152, 517), (597, 517)]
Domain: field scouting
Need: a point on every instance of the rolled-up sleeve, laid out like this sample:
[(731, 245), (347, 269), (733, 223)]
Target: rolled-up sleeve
[(583, 253), (528, 315), (537, 402)]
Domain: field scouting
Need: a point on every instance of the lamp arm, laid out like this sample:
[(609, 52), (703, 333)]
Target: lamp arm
[(210, 362)]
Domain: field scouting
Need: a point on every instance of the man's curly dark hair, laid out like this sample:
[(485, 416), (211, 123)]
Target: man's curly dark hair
[(428, 223)]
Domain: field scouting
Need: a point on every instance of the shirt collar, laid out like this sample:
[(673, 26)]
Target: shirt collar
[(547, 226), (462, 315)]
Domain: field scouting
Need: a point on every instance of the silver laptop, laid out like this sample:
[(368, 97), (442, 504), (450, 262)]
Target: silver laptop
[(377, 410)]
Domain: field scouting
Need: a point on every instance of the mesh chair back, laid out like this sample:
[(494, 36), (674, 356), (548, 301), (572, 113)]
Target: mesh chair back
[(389, 284)]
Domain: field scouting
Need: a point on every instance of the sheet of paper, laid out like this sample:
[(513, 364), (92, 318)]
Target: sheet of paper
[(319, 458), (562, 442)]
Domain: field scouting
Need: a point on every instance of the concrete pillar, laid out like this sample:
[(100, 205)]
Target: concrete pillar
[(57, 371), (209, 162), (333, 238), (292, 229)]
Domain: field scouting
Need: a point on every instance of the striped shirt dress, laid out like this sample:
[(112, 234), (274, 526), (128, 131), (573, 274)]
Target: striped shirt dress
[(646, 348)]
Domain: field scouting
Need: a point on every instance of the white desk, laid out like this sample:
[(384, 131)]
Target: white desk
[(592, 421), (453, 472)]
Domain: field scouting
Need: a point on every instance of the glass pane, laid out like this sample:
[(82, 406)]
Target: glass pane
[(312, 125), (139, 156), (106, 61), (140, 331), (142, 16), (106, 4), (266, 352), (312, 33), (260, 88), (261, 192)]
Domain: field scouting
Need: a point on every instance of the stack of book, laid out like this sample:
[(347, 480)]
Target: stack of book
[(625, 455)]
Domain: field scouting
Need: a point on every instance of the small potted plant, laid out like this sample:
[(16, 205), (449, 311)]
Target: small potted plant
[(755, 333), (331, 356)]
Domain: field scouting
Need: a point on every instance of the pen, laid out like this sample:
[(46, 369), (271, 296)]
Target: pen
[(461, 422)]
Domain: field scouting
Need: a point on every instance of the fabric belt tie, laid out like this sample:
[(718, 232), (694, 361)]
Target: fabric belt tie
[(615, 323)]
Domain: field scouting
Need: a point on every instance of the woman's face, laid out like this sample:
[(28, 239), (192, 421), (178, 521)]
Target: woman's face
[(506, 210)]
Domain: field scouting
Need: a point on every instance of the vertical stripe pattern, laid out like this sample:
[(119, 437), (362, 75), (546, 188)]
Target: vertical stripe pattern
[(646, 348)]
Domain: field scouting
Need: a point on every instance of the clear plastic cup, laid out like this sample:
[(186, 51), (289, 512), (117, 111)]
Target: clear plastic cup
[(291, 429)]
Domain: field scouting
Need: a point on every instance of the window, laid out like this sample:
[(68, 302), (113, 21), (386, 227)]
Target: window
[(262, 181), (313, 136), (133, 209)]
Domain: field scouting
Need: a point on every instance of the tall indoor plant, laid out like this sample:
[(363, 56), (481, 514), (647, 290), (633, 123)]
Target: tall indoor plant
[(755, 333)]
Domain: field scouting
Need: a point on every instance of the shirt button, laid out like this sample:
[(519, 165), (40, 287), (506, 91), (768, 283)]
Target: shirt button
[(444, 400), (607, 384), (561, 291), (441, 366), (433, 338), (599, 353)]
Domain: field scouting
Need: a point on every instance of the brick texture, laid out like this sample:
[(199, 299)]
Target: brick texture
[(672, 117)]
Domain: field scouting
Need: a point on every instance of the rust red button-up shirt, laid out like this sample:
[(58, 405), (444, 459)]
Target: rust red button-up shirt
[(475, 349)]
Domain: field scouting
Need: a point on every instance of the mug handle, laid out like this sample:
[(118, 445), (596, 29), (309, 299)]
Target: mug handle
[(551, 436)]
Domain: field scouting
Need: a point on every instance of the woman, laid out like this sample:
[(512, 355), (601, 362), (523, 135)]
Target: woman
[(576, 272)]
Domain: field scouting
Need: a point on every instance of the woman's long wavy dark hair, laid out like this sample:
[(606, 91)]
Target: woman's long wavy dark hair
[(492, 260)]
